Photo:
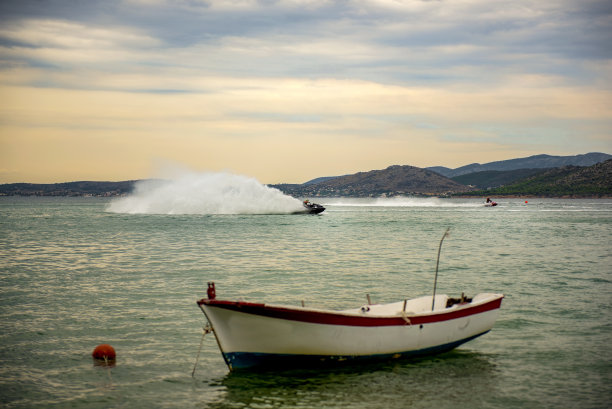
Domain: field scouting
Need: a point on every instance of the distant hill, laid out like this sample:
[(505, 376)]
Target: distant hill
[(566, 181), (319, 180), (531, 162), (531, 178), (83, 188), (393, 181), (495, 178)]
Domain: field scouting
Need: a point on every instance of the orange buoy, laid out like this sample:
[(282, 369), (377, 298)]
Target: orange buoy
[(104, 352)]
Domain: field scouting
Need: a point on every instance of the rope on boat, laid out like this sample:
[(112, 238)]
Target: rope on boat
[(206, 330), (405, 317)]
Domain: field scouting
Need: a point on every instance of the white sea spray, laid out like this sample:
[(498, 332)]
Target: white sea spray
[(188, 192)]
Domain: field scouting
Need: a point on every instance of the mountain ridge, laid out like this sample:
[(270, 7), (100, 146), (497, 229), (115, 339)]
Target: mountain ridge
[(400, 180), (392, 181), (540, 161)]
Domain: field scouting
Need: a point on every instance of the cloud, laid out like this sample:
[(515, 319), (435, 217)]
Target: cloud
[(384, 41), (486, 30), (383, 82)]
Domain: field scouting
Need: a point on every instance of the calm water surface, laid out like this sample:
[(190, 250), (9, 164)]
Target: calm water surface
[(73, 275)]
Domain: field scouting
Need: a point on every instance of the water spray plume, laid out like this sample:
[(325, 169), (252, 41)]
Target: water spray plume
[(187, 192)]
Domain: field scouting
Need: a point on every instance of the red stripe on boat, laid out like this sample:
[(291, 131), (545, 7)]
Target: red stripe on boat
[(331, 318)]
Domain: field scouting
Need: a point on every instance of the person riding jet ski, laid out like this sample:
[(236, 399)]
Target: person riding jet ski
[(313, 208), (490, 202)]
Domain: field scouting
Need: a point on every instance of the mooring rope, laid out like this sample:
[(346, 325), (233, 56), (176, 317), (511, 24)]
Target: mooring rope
[(207, 329), (108, 371)]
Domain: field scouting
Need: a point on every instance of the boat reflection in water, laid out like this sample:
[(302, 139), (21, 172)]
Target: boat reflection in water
[(389, 384)]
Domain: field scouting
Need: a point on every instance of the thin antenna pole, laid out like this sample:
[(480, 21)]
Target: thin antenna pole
[(433, 300)]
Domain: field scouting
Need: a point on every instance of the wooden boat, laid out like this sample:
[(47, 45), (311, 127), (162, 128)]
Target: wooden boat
[(256, 334)]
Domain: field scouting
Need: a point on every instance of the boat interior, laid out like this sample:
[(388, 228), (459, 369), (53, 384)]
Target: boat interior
[(415, 306)]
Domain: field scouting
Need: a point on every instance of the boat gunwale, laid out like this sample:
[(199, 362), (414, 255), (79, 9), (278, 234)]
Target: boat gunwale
[(330, 317)]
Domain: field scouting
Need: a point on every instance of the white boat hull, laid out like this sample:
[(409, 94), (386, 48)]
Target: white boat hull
[(251, 334)]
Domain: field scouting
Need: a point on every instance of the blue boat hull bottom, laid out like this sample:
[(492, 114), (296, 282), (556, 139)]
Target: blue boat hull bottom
[(244, 360)]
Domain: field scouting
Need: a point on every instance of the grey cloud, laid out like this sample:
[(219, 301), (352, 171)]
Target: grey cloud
[(424, 41)]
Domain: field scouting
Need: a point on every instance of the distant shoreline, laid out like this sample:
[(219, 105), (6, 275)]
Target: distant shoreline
[(535, 197), (567, 182), (115, 195)]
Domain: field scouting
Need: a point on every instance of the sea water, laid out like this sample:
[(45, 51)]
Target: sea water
[(78, 272)]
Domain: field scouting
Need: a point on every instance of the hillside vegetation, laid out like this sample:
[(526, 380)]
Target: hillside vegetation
[(494, 178), (394, 181), (83, 188), (567, 181)]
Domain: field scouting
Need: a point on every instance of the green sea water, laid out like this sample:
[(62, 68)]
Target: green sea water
[(74, 273)]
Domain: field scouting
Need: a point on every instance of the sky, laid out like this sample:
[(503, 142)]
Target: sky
[(287, 91)]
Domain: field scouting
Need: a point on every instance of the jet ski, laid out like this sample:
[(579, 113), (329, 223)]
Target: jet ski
[(490, 203), (312, 208)]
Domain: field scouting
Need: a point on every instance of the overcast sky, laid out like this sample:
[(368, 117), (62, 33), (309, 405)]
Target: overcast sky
[(285, 91)]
